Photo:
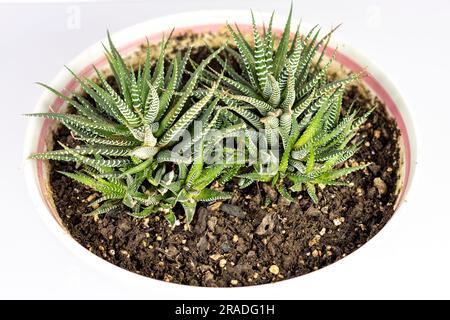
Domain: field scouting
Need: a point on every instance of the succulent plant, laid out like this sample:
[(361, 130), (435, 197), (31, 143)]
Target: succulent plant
[(283, 91), (128, 135)]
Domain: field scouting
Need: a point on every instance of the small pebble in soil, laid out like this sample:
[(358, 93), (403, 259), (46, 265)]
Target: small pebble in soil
[(158, 238), (337, 222), (208, 276), (212, 223), (235, 238), (222, 263), (91, 197), (215, 206), (274, 269), (234, 282), (225, 247), (359, 191), (215, 256), (168, 278), (323, 231), (380, 185), (314, 240), (125, 253), (377, 134)]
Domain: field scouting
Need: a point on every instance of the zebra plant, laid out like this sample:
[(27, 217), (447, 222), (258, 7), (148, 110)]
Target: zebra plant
[(128, 134), (313, 153), (275, 85), (285, 91)]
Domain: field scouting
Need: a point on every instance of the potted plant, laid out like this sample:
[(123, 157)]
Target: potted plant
[(220, 155)]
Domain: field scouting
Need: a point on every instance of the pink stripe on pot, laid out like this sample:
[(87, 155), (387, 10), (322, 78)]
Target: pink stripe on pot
[(384, 96), (346, 61)]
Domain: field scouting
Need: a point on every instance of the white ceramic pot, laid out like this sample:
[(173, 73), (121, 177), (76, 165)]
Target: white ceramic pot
[(127, 41)]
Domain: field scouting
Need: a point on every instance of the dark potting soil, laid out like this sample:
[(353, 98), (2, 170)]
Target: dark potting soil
[(256, 237)]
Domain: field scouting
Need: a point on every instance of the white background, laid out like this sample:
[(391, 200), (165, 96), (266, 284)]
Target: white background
[(408, 259)]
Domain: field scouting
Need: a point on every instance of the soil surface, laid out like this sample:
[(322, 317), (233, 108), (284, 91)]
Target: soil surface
[(256, 237)]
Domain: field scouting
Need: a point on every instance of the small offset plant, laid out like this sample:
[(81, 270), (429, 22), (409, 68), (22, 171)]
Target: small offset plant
[(282, 91), (129, 138)]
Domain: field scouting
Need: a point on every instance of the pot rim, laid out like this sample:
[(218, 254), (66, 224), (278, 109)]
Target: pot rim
[(127, 40)]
